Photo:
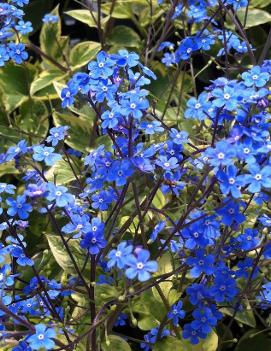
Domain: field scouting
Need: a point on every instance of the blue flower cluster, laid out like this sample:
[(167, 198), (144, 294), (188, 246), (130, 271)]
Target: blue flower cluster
[(208, 32), (212, 241), (12, 27)]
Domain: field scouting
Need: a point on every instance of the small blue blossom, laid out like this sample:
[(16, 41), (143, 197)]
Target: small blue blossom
[(59, 195), (255, 77), (45, 154), (176, 313), (140, 266), (43, 338), (17, 52), (57, 134), (19, 207), (118, 256), (24, 27), (49, 18)]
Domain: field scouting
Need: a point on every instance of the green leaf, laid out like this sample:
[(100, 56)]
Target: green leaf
[(82, 53), (80, 130), (124, 36), (61, 255), (255, 17), (83, 16), (150, 311), (115, 343), (15, 83), (44, 80), (260, 3), (33, 120), (159, 200), (252, 341), (61, 173), (246, 316), (51, 41), (121, 10), (168, 344), (208, 344), (164, 266)]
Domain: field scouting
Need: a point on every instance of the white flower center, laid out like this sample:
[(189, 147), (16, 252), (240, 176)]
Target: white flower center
[(227, 96), (221, 156), (258, 176), (41, 336), (231, 180), (246, 150), (118, 253), (140, 265)]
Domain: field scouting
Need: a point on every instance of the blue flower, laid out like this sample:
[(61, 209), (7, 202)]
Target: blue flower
[(258, 177), (151, 337), (15, 151), (201, 263), (19, 207), (255, 77), (204, 321), (151, 127), (120, 171), (176, 313), (57, 134), (24, 27), (198, 108), (94, 240), (79, 224), (134, 107), (117, 257), (7, 188), (178, 137), (140, 266), (110, 118), (194, 335), (20, 3), (186, 48), (157, 229), (249, 239), (224, 288), (103, 68), (102, 199), (17, 52), (21, 258), (121, 320), (43, 338), (22, 346), (230, 182), (4, 55), (231, 213), (68, 93), (46, 154), (167, 164), (49, 18), (221, 155), (227, 98), (59, 194)]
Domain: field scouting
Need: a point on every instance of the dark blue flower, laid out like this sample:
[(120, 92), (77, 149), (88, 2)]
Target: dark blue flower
[(19, 207)]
